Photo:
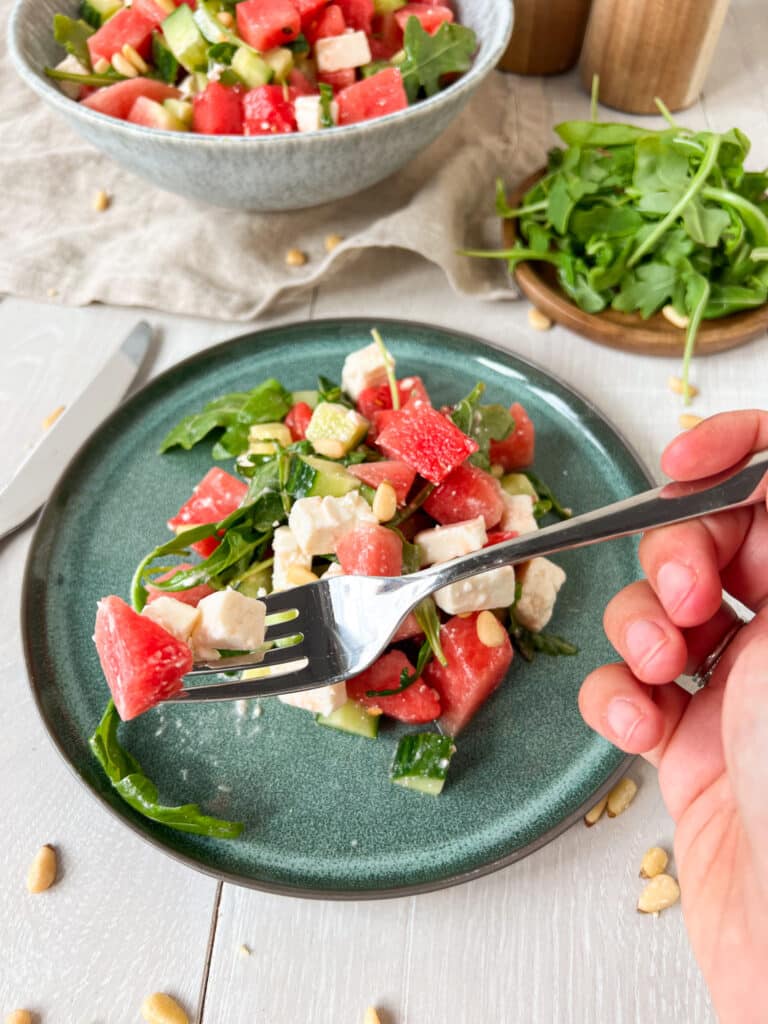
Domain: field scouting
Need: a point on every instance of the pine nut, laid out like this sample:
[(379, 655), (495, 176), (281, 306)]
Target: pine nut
[(384, 503), (497, 470), (52, 293), (100, 201), (654, 862), (19, 1017), (297, 576), (371, 1016), (225, 18), (123, 66), (133, 57), (167, 5), (660, 893), (621, 796), (331, 241), (539, 321), (101, 65), (51, 418), (243, 950), (676, 384), (675, 318), (295, 258), (329, 447), (42, 871), (161, 1009), (490, 631), (594, 814), (688, 420)]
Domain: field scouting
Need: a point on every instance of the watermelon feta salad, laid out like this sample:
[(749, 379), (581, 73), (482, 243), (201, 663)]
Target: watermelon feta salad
[(367, 477), (258, 67)]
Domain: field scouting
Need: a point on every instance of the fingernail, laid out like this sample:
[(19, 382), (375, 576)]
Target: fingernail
[(623, 717), (644, 640), (675, 582)]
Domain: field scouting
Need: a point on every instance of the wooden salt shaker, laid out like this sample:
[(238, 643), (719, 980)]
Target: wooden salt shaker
[(647, 48), (546, 36)]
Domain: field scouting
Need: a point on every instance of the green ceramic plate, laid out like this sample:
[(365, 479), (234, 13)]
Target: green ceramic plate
[(322, 818)]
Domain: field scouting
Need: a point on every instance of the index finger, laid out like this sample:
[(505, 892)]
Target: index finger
[(716, 444)]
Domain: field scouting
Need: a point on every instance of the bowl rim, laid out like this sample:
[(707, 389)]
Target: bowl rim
[(485, 60)]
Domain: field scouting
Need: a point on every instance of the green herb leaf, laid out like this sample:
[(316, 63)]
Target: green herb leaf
[(427, 618), (221, 53), (73, 36), (235, 413), (546, 494), (430, 56), (483, 423), (406, 679), (137, 790), (330, 392), (326, 98)]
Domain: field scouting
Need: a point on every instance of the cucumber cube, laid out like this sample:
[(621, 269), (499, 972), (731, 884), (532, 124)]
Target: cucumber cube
[(181, 110), (310, 398), (387, 6), (518, 483), (421, 762), (354, 718), (280, 61), (262, 438), (185, 40), (251, 68), (164, 60), (313, 477), (96, 12), (332, 422)]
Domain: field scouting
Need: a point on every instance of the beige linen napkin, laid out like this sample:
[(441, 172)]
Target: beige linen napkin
[(151, 248)]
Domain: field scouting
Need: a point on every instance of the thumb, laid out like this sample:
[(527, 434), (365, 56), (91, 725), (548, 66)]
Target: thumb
[(745, 738)]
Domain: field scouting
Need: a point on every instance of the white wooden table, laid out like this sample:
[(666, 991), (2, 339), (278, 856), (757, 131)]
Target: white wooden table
[(554, 938)]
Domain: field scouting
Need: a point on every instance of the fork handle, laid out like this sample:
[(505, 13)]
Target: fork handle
[(662, 506)]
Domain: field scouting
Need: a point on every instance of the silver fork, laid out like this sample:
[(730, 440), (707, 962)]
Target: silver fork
[(325, 632)]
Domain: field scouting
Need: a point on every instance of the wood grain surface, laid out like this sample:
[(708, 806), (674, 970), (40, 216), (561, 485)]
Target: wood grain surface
[(554, 939)]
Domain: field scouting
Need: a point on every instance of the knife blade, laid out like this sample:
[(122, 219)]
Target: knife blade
[(33, 481)]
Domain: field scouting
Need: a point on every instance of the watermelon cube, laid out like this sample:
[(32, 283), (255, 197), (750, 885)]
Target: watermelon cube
[(143, 664), (152, 11), (382, 93), (338, 80), (418, 703), (191, 596), (431, 16), (329, 22), (298, 419), (266, 111), (399, 474), (517, 449), (128, 26), (471, 675), (386, 36), (218, 110), (467, 492), (217, 494), (265, 24), (379, 396), (370, 551), (424, 438), (118, 99), (358, 14), (309, 9), (151, 114)]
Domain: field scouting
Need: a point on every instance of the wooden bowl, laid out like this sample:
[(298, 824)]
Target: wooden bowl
[(654, 336)]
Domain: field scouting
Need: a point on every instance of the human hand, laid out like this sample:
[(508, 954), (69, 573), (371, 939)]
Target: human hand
[(711, 750)]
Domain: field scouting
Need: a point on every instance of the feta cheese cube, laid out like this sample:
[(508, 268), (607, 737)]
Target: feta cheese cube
[(74, 67), (318, 524), (441, 543), (363, 369), (541, 580), (228, 621), (321, 701), (288, 555), (350, 50), (308, 112), (492, 589), (178, 618), (518, 513)]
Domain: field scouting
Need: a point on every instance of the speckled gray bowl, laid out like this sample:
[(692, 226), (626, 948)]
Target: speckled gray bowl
[(277, 172)]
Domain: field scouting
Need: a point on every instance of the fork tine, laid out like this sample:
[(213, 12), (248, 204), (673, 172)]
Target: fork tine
[(280, 630), (273, 682), (281, 601)]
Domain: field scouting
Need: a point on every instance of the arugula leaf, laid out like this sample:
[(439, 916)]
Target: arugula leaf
[(330, 392), (235, 413), (221, 53), (529, 644), (108, 78), (427, 618), (483, 423), (299, 45), (137, 790), (326, 98), (73, 36), (546, 494), (646, 289), (430, 56), (603, 135)]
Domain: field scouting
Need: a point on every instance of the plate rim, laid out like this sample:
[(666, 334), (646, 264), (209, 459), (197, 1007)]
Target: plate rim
[(223, 875)]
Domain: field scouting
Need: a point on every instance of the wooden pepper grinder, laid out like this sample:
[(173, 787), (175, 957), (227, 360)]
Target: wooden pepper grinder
[(647, 48), (546, 36)]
